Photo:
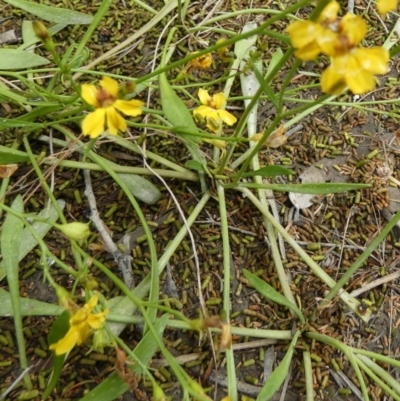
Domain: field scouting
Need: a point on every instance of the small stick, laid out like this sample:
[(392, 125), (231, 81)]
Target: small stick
[(123, 259)]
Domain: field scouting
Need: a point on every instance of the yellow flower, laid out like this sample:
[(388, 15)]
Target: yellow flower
[(309, 38), (384, 6), (105, 100), (212, 110), (202, 62), (356, 70), (329, 35), (81, 323)]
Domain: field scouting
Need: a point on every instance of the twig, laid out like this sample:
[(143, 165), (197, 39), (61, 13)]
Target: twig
[(123, 260), (17, 380), (375, 283)]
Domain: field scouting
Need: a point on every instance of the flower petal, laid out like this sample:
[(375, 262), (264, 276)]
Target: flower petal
[(110, 85), (89, 94), (330, 12), (202, 111), (83, 332), (332, 82), (115, 121), (354, 28), (204, 97), (227, 117), (66, 343), (360, 82), (219, 100), (384, 6), (303, 33), (93, 123), (129, 107), (96, 321), (309, 52), (213, 121), (374, 60)]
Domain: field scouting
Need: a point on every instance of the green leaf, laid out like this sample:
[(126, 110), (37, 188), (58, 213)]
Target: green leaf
[(58, 330), (29, 307), (278, 376), (270, 293), (141, 188), (28, 242), (276, 56), (10, 123), (194, 165), (52, 14), (12, 59), (269, 171), (266, 88), (175, 109), (316, 189), (112, 387), (10, 156)]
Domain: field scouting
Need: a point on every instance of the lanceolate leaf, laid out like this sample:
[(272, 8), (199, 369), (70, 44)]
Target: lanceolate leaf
[(269, 171), (12, 59), (175, 109), (52, 14), (270, 293), (278, 376)]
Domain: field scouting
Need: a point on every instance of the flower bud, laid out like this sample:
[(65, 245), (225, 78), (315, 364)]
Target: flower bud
[(64, 297), (75, 231), (43, 34), (158, 393), (101, 340)]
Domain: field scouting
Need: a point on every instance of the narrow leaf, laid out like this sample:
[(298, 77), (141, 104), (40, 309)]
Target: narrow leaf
[(278, 376), (112, 387), (141, 188), (12, 59), (194, 165), (270, 293), (28, 242), (58, 330), (52, 14), (175, 109), (10, 156), (29, 307), (269, 171)]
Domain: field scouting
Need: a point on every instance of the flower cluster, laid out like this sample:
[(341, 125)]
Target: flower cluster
[(339, 38)]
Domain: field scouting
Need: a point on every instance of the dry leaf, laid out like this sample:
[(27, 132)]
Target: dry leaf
[(7, 170)]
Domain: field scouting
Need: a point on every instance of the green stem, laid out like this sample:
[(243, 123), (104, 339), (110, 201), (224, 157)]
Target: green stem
[(227, 267), (102, 10), (308, 375)]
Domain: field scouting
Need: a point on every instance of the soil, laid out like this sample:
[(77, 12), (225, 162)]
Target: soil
[(342, 227)]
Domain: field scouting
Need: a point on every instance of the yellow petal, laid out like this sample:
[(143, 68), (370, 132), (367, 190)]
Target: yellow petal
[(309, 52), (330, 12), (110, 85), (360, 82), (384, 6), (227, 117), (93, 123), (332, 82), (219, 100), (329, 42), (115, 121), (204, 97), (303, 33), (202, 111), (129, 107), (66, 343), (92, 303), (213, 121), (354, 27), (83, 332), (96, 321), (89, 94), (374, 60)]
